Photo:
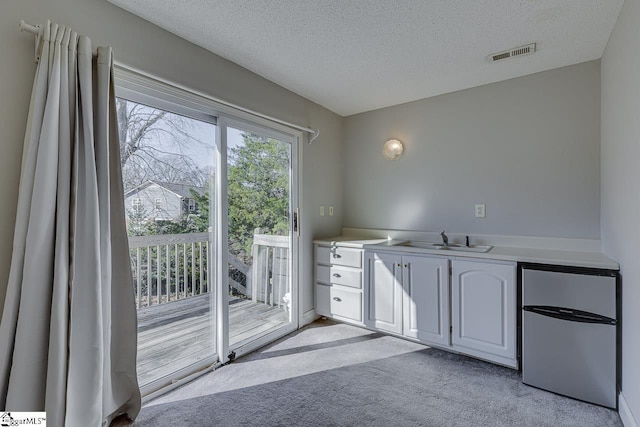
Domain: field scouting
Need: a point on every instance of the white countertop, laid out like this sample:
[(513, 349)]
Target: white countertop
[(349, 241), (499, 253)]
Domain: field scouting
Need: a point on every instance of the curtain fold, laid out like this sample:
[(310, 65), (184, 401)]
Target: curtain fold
[(69, 329)]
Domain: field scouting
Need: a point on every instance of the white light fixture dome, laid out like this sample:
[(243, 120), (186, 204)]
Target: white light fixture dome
[(392, 149)]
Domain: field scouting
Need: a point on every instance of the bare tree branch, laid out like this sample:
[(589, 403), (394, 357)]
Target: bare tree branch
[(157, 145)]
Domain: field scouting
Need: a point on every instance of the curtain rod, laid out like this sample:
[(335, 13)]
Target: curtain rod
[(29, 28), (35, 30)]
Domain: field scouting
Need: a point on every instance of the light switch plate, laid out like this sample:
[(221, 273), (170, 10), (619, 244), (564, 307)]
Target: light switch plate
[(480, 211), (330, 210), (321, 210)]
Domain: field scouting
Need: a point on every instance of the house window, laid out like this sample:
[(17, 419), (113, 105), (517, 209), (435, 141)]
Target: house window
[(137, 204), (192, 205), (158, 204)]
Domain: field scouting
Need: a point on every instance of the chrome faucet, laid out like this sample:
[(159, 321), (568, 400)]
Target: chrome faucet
[(445, 239)]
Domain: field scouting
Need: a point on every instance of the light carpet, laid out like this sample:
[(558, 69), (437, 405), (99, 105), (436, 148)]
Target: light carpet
[(331, 374)]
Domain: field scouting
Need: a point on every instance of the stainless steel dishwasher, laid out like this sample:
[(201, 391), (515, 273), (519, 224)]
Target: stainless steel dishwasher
[(570, 332)]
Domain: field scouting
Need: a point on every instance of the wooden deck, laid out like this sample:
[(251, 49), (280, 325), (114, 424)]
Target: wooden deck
[(175, 335)]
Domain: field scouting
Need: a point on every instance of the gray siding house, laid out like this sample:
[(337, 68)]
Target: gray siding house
[(161, 200)]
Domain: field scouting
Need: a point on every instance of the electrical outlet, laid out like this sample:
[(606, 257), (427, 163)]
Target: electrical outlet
[(480, 211), (330, 210), (321, 210)]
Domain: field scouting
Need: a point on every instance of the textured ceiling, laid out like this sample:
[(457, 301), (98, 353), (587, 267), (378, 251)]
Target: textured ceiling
[(358, 55)]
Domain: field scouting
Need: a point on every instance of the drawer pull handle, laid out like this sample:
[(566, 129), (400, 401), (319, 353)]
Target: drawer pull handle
[(337, 256), (336, 275), (337, 299)]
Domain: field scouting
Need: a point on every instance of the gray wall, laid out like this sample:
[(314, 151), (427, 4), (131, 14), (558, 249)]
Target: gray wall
[(621, 183), (528, 148), (147, 47)]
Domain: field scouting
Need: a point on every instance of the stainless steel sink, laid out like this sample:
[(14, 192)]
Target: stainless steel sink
[(449, 247)]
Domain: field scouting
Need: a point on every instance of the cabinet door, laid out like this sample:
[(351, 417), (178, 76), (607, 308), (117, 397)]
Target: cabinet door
[(426, 299), (483, 303), (384, 291)]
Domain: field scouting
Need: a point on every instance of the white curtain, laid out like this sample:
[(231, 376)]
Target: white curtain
[(68, 331)]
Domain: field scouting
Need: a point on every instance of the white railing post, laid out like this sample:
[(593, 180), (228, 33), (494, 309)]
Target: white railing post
[(167, 263), (193, 269), (267, 279), (158, 273), (177, 271), (138, 278), (200, 265), (149, 277), (185, 279), (255, 271)]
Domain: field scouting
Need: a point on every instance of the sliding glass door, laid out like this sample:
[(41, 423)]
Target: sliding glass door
[(260, 235), (260, 228), (210, 208), (168, 172)]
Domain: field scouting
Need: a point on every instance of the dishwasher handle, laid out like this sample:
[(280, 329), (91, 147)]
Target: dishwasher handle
[(569, 314)]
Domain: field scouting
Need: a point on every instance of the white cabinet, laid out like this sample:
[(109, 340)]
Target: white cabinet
[(470, 308), (425, 305), (383, 274), (408, 295), (483, 310), (464, 304), (339, 293)]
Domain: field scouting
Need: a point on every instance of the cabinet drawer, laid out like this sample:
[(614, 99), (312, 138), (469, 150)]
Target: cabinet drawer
[(339, 256), (340, 276), (333, 301)]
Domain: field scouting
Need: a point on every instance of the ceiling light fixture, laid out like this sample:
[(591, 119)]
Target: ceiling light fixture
[(392, 149)]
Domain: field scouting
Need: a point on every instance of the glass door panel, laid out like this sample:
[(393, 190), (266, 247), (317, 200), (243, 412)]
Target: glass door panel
[(259, 192), (168, 172)]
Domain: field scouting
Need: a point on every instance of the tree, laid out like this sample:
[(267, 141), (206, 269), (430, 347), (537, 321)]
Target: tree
[(138, 124), (258, 188), (201, 219), (137, 222), (155, 145)]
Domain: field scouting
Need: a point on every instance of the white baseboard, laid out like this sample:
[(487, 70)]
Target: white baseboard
[(309, 317), (625, 413)]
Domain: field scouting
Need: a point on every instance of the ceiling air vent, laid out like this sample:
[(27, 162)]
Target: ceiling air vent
[(516, 51)]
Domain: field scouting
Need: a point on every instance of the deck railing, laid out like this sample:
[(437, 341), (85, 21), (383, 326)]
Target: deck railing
[(270, 269), (168, 267), (171, 267)]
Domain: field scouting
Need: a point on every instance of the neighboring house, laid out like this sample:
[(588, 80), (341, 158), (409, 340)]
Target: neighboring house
[(162, 200)]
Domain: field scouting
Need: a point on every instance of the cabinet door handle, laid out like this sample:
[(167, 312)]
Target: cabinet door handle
[(337, 256), (406, 266), (399, 265), (337, 299), (336, 275)]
